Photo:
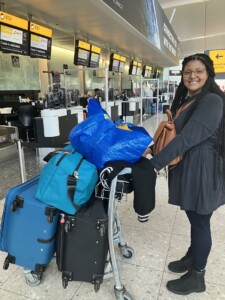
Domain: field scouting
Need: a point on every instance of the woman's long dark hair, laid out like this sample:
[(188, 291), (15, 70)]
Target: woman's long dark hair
[(210, 86)]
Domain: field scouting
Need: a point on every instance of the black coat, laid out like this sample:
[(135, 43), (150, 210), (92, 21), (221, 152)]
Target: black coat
[(143, 183), (196, 184)]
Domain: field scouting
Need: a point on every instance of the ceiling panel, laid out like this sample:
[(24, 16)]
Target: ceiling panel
[(92, 20), (199, 25)]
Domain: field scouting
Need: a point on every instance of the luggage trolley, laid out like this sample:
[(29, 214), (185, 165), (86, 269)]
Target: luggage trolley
[(117, 189)]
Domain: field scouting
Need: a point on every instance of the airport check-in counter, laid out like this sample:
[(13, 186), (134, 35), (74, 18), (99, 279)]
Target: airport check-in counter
[(52, 129), (114, 107), (8, 147), (129, 110)]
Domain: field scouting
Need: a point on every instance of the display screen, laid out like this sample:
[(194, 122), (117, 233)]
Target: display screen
[(134, 70), (94, 60), (82, 57), (115, 65), (82, 53), (147, 71), (114, 62), (121, 66), (138, 70), (13, 40), (156, 73), (40, 46)]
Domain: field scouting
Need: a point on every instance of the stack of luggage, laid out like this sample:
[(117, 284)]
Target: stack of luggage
[(50, 215)]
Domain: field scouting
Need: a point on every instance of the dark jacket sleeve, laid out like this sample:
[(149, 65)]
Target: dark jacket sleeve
[(202, 125)]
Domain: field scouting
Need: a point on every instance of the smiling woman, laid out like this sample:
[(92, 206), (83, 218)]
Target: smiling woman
[(196, 183), (194, 77)]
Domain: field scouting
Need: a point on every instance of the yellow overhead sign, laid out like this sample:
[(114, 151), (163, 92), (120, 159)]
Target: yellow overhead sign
[(35, 28), (218, 58), (148, 68), (116, 56), (84, 45), (123, 58), (95, 49), (13, 20)]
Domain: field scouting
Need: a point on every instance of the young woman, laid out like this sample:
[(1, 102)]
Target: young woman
[(196, 184)]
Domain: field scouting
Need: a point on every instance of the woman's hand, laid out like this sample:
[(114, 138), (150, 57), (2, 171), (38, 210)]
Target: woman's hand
[(147, 151)]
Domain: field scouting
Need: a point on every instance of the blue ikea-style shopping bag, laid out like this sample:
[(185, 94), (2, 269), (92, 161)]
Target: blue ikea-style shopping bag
[(67, 181), (102, 140)]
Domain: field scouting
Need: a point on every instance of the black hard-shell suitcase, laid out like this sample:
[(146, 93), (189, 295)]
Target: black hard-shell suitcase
[(82, 244)]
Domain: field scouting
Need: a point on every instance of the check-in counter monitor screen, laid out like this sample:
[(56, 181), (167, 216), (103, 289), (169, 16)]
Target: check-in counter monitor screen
[(133, 69), (40, 46), (82, 53), (146, 72), (138, 71), (14, 40), (94, 60), (114, 62), (121, 66), (156, 73)]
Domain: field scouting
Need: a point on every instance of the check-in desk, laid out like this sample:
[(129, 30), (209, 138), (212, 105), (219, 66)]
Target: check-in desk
[(6, 116), (52, 129), (115, 109), (130, 110), (79, 110), (8, 147)]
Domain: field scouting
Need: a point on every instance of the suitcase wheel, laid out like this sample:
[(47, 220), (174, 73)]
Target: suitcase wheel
[(6, 263), (33, 278), (17, 203), (122, 294), (14, 206), (65, 282), (126, 251), (97, 286)]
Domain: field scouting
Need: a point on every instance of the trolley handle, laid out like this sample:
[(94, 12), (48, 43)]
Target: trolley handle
[(21, 159)]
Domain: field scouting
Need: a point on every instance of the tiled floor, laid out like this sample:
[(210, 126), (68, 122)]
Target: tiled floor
[(163, 238)]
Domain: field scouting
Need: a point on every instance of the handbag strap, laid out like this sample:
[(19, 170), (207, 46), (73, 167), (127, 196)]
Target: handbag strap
[(72, 183), (182, 108)]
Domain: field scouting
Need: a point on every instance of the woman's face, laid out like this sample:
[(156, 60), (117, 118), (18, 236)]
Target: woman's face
[(194, 76)]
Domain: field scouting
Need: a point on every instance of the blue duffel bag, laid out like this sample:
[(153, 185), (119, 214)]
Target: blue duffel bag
[(67, 181)]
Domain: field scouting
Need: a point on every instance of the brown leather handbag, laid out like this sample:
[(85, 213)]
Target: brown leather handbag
[(166, 132)]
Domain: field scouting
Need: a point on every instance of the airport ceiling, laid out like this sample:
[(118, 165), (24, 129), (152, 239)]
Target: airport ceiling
[(199, 25)]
